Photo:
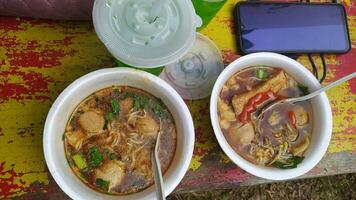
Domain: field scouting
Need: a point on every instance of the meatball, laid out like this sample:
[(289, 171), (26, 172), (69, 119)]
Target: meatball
[(242, 134), (91, 121), (147, 126)]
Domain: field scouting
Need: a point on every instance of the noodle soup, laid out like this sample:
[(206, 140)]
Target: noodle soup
[(110, 136), (281, 137)]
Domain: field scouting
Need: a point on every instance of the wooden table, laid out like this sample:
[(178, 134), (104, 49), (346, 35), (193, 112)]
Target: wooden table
[(39, 58)]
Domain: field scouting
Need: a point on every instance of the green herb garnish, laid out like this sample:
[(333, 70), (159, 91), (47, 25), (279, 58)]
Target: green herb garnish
[(136, 105), (290, 163), (115, 106), (102, 183), (109, 116), (157, 111), (95, 157), (303, 89), (139, 102), (156, 108), (154, 20), (109, 155), (79, 161), (261, 73)]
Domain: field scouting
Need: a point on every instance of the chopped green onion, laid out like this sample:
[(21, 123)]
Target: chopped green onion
[(261, 73), (95, 157), (154, 20), (139, 102), (157, 112), (115, 106), (136, 104), (102, 183), (109, 116), (156, 108), (290, 163), (79, 161), (83, 175)]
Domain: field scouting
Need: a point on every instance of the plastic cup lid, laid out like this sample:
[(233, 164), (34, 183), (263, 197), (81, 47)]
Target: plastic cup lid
[(193, 76), (135, 38)]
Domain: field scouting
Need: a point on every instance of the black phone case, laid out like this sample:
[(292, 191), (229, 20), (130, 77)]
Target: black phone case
[(239, 38)]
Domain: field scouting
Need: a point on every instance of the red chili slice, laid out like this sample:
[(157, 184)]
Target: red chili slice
[(292, 118), (250, 106)]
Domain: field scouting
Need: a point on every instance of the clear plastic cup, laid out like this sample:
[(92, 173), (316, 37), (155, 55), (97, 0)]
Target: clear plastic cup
[(131, 36), (193, 76)]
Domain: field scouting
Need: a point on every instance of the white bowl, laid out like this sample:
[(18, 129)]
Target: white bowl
[(322, 117), (86, 85)]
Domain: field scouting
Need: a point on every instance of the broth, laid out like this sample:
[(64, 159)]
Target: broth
[(283, 134), (110, 136)]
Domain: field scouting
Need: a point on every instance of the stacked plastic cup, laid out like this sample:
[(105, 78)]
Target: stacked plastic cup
[(193, 76), (148, 34)]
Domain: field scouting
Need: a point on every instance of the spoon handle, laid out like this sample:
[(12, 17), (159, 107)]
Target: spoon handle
[(157, 174), (323, 89)]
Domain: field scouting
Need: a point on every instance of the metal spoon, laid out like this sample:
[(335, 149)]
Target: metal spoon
[(157, 173), (306, 97)]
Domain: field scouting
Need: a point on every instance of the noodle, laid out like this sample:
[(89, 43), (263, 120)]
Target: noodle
[(110, 137), (281, 134)]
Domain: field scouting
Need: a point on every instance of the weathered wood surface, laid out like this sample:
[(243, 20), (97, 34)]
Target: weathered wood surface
[(39, 58)]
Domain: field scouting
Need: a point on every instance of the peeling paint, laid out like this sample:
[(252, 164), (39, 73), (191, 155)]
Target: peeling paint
[(38, 59)]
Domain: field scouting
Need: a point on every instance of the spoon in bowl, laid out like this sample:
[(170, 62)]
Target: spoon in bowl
[(157, 173), (306, 97)]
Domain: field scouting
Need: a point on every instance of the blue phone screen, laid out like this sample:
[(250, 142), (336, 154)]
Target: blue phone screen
[(293, 28)]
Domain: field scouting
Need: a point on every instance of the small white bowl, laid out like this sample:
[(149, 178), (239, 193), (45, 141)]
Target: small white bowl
[(86, 85), (322, 117)]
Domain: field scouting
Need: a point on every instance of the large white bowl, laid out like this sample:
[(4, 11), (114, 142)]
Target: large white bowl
[(322, 117), (86, 85)]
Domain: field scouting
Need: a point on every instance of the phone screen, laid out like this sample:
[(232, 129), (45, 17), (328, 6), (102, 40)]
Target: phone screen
[(292, 28)]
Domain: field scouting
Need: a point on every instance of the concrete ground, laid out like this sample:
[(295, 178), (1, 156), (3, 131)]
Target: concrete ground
[(339, 187)]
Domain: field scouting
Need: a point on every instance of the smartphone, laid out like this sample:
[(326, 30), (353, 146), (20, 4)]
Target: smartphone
[(291, 28)]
